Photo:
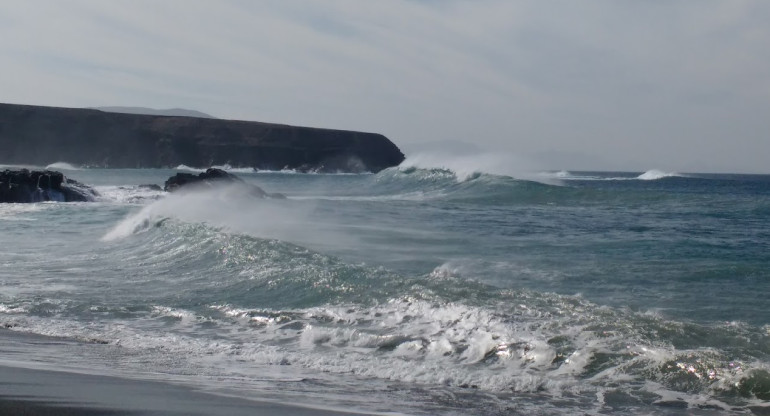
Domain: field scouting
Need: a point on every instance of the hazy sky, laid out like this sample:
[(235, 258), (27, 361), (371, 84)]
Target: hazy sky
[(634, 85)]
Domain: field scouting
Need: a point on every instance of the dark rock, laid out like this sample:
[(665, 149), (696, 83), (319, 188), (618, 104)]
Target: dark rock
[(213, 178), (151, 186), (39, 135), (206, 179), (23, 186)]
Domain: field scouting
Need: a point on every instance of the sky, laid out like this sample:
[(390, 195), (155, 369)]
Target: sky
[(676, 85)]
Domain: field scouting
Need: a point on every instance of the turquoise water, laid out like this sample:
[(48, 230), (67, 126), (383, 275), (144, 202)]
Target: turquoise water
[(414, 290)]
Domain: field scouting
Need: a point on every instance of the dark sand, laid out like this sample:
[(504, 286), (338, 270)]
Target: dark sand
[(40, 392), (35, 392)]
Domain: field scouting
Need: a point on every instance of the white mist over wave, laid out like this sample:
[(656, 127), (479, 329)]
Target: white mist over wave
[(469, 166), (654, 174), (189, 169), (62, 166), (230, 209)]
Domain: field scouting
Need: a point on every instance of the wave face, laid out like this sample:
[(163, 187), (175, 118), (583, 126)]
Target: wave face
[(414, 290)]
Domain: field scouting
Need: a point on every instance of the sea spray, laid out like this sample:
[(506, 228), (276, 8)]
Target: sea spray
[(228, 208), (470, 166), (654, 174), (62, 166)]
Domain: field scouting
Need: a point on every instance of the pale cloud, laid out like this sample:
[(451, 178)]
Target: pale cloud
[(678, 85)]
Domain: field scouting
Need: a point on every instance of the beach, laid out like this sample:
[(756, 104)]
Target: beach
[(39, 392)]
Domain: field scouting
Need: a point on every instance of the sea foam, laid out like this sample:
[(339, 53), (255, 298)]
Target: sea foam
[(468, 167), (225, 167), (62, 166), (654, 174)]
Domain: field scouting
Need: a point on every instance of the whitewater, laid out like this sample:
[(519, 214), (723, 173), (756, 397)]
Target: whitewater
[(435, 287)]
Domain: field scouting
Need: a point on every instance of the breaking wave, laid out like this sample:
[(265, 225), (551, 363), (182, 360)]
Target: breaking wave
[(225, 167), (275, 304), (224, 283), (655, 174), (467, 167), (652, 174), (62, 166)]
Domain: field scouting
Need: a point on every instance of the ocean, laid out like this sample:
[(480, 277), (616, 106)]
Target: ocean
[(414, 290)]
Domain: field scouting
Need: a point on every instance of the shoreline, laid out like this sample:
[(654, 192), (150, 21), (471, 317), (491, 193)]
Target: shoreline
[(36, 392), (41, 392)]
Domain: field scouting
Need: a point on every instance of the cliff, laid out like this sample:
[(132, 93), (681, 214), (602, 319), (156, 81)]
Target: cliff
[(42, 135)]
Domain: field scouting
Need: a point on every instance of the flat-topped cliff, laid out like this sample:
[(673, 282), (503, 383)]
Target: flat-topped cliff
[(42, 135)]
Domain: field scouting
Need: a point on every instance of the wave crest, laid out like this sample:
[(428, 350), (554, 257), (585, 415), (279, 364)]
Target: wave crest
[(469, 167), (655, 174), (62, 166), (224, 167)]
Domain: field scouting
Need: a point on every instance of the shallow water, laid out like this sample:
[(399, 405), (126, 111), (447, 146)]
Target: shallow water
[(413, 290)]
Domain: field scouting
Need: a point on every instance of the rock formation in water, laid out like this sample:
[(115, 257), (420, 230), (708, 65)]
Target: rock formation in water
[(42, 135), (23, 186), (213, 178)]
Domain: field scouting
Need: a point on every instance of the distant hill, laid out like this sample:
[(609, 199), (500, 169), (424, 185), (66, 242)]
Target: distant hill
[(88, 137), (179, 112)]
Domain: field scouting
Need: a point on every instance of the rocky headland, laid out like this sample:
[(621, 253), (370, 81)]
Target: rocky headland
[(41, 135)]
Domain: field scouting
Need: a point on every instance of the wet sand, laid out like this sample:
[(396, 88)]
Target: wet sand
[(41, 392)]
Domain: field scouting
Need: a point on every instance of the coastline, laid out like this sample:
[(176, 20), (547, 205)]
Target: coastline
[(42, 135), (42, 392)]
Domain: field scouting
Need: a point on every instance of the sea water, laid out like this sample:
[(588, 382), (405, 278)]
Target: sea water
[(415, 290)]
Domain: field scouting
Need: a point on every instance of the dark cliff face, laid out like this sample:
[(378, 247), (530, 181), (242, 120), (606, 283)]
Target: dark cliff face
[(42, 135)]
